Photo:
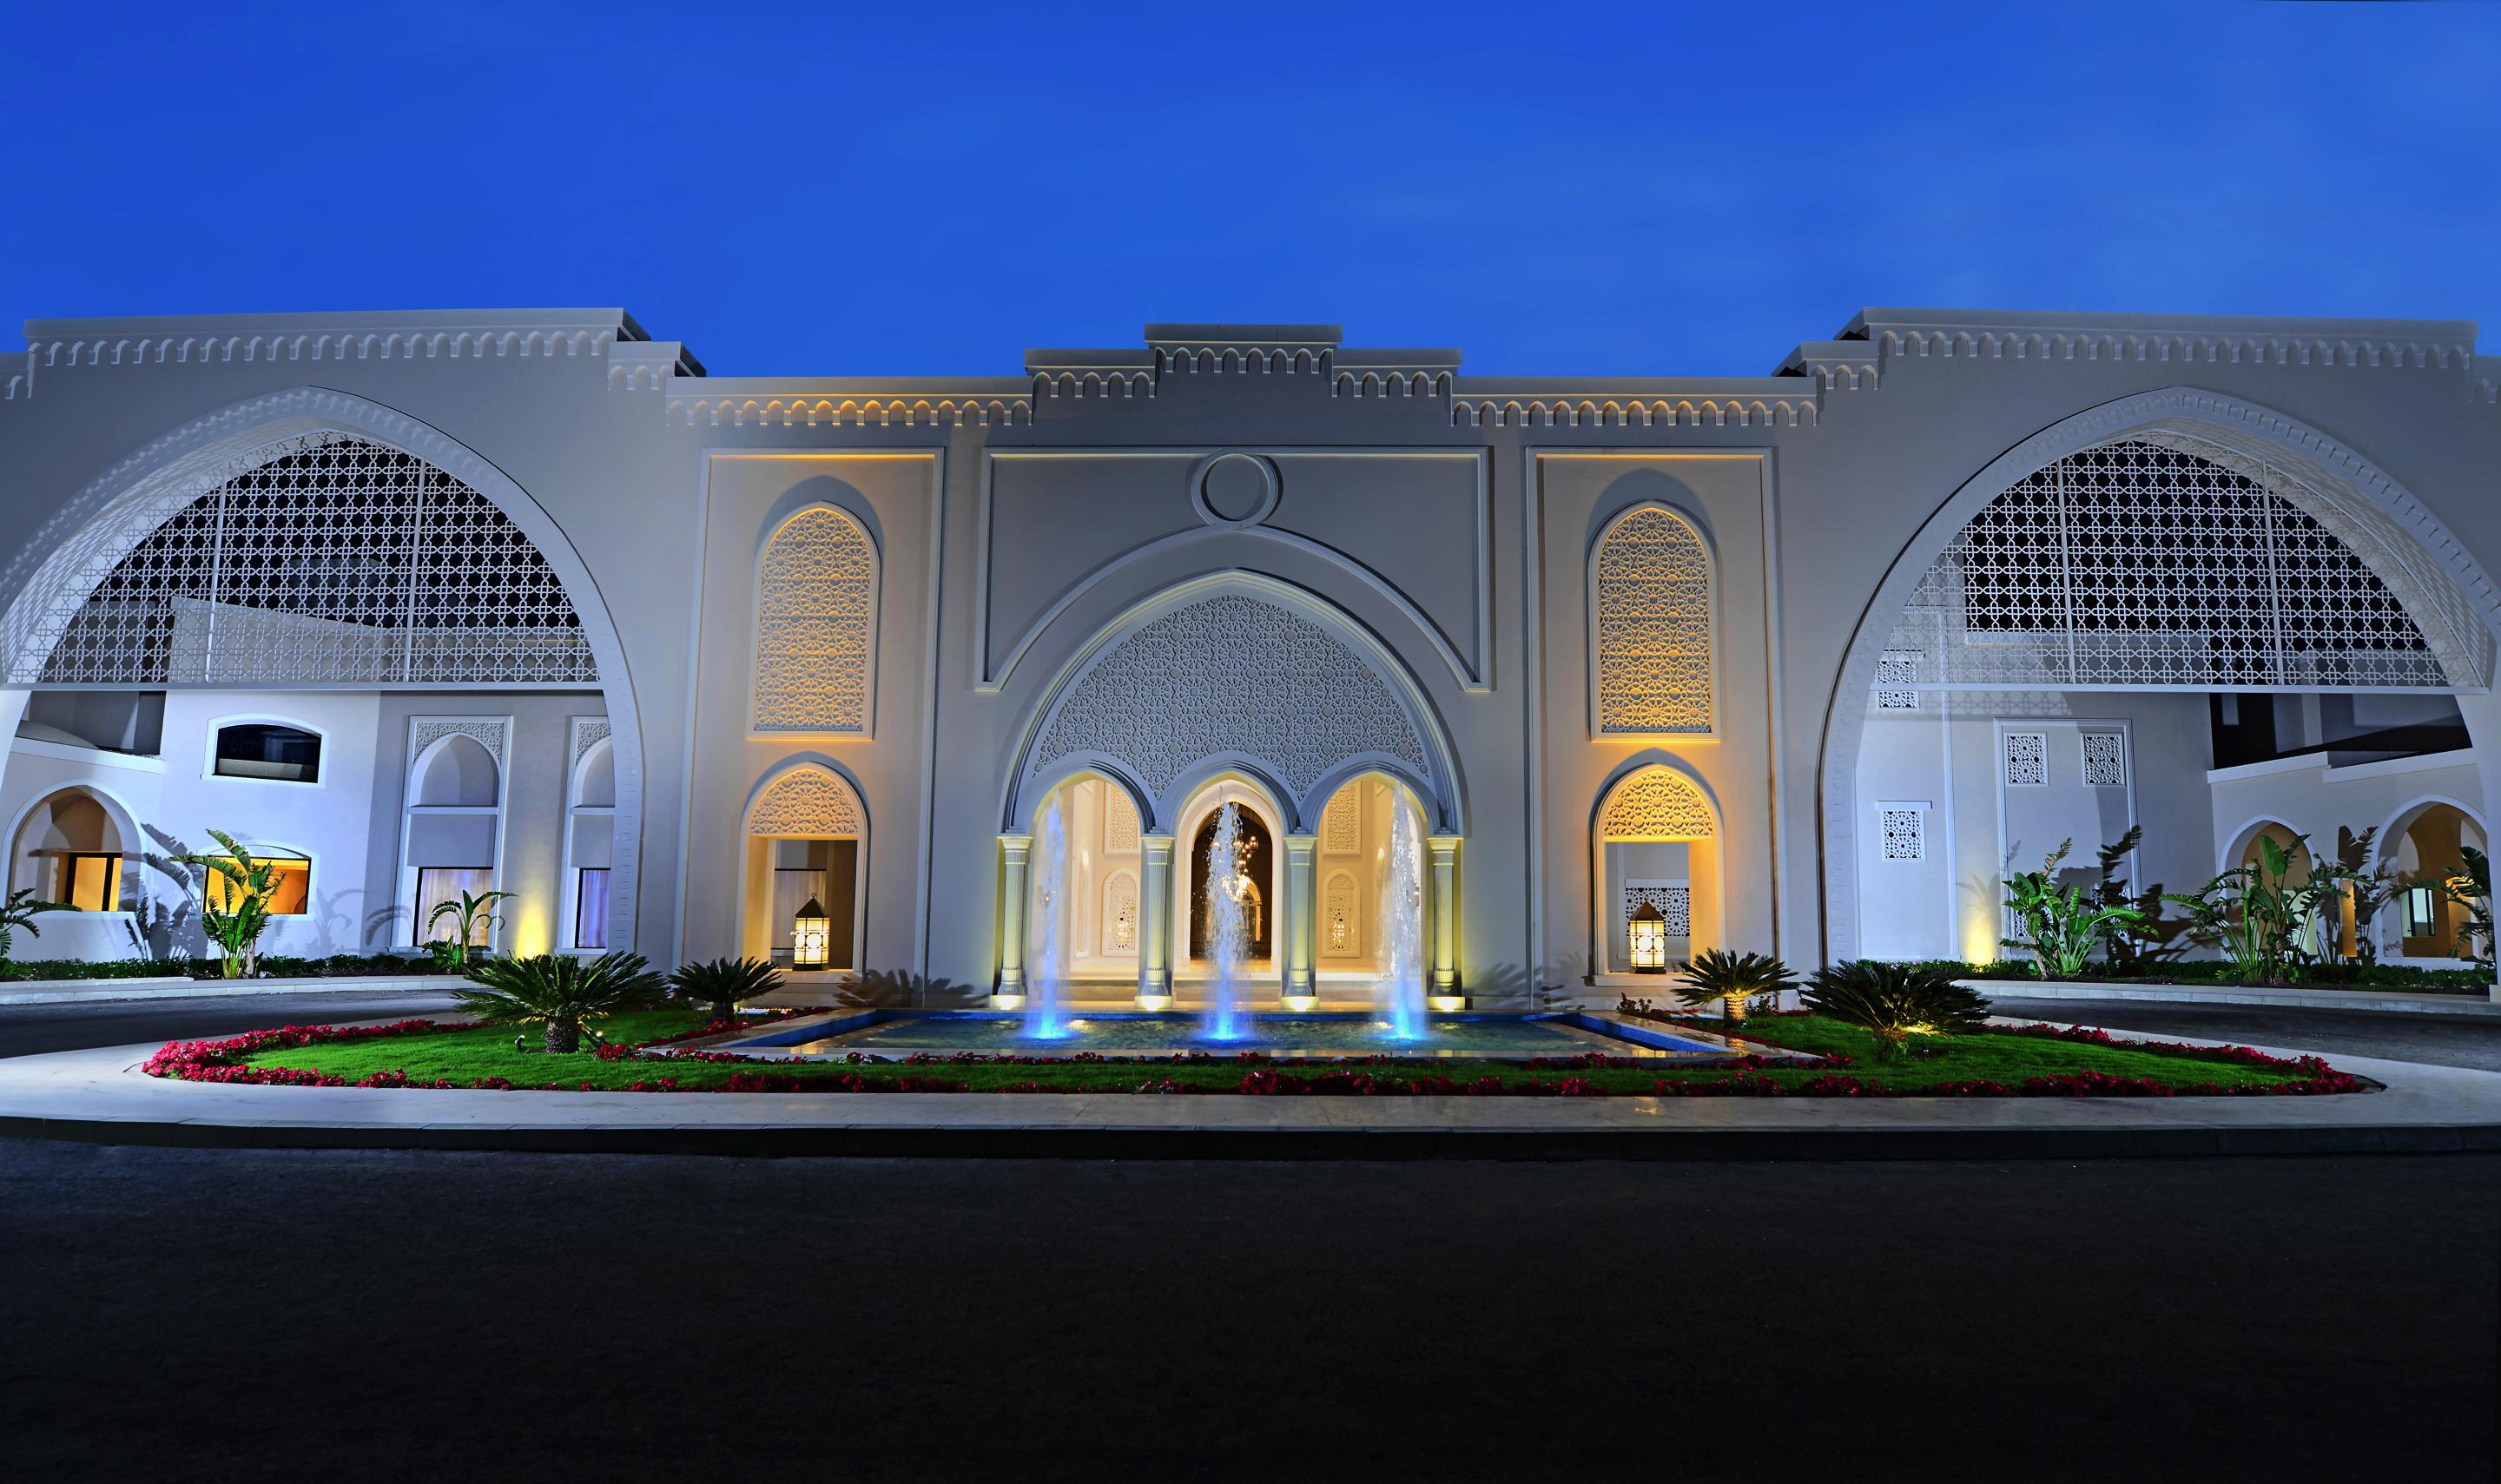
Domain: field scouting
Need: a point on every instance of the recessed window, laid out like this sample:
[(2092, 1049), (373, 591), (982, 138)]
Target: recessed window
[(290, 888), (590, 908), (86, 882), (2422, 911), (445, 885), (266, 750)]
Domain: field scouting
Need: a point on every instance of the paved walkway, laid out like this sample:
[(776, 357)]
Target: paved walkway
[(2444, 1040), (101, 1096)]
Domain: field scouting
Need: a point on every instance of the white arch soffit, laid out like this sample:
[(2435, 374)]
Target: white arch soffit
[(2237, 843), (76, 549), (134, 839), (2402, 819), (2340, 489), (1077, 767), (1468, 678), (1442, 788)]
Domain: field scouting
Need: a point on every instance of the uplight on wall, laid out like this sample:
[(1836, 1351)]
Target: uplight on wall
[(1649, 941), (810, 942)]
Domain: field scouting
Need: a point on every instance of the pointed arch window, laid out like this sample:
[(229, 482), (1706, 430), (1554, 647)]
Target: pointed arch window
[(815, 627), (1650, 627)]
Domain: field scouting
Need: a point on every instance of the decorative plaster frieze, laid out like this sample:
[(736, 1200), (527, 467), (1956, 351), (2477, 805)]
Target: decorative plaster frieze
[(1078, 385), (486, 731), (17, 379), (420, 344), (1392, 382), (589, 732), (2170, 345), (860, 411)]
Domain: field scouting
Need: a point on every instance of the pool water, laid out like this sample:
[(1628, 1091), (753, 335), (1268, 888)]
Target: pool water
[(1144, 1033)]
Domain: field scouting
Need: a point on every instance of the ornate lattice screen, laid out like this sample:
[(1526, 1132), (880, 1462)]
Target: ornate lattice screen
[(1654, 627), (328, 561), (2142, 565), (816, 615)]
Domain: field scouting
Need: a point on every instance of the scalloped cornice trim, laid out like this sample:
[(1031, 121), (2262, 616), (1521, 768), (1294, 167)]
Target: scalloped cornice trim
[(449, 344), (1603, 411), (858, 411), (2172, 345)]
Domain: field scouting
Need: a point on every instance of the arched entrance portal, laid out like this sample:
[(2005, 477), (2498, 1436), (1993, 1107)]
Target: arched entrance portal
[(1250, 884), (2167, 616), (321, 546)]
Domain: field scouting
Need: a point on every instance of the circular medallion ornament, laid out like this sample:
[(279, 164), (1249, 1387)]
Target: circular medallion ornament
[(1235, 489)]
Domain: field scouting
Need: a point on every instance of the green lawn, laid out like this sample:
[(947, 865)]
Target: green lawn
[(465, 1055)]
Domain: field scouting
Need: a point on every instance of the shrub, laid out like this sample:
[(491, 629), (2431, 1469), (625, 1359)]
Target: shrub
[(1895, 1001), (720, 984), (19, 911), (560, 991), (1732, 978), (2063, 929)]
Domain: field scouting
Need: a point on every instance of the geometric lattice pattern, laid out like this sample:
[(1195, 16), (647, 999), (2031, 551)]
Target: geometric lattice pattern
[(2027, 759), (1342, 824), (1120, 821), (2105, 760), (1674, 902), (811, 802), (815, 618), (1896, 672), (1230, 674), (1905, 831), (1341, 930), (328, 560), (1656, 804), (1120, 914), (1654, 640), (2140, 565)]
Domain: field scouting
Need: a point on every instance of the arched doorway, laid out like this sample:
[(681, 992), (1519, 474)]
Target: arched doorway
[(1085, 918), (1254, 867), (1654, 841), (311, 540), (2228, 601), (2427, 850)]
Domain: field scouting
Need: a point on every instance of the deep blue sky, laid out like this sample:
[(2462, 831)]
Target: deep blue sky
[(1555, 188)]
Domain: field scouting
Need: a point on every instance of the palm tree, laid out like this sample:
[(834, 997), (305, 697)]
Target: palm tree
[(1895, 1001), (467, 912), (236, 927), (20, 912), (563, 992), (1731, 978), (723, 982)]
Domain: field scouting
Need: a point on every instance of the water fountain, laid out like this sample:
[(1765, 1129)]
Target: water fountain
[(1046, 1000), (1400, 991), (1226, 938)]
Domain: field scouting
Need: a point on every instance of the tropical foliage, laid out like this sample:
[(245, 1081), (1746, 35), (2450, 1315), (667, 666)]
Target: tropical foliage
[(2258, 916), (720, 985), (2472, 889), (468, 914), (236, 927), (559, 991), (1733, 980), (1894, 1002), (20, 912), (2062, 928)]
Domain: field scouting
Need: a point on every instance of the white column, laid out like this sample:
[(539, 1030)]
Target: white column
[(1154, 922), (1301, 920), (1016, 852), (1445, 851)]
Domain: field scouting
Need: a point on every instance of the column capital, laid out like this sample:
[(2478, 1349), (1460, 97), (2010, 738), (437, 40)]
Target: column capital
[(1300, 844)]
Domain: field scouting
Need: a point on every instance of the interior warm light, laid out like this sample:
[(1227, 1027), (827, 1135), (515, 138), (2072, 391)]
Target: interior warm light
[(1302, 1005), (809, 938), (1154, 1002), (1446, 1005)]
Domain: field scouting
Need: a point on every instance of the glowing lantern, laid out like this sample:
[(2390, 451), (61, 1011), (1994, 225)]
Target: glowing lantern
[(1649, 939), (810, 943)]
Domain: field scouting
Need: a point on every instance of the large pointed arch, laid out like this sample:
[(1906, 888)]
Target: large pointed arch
[(1170, 690), (56, 569), (2453, 602)]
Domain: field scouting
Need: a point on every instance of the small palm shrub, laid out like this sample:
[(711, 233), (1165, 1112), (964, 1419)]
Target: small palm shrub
[(19, 912), (720, 984), (468, 914), (1894, 1002), (559, 990), (1732, 978), (2062, 928)]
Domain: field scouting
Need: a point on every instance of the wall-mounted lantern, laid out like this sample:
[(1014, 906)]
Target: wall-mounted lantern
[(1649, 939), (810, 942)]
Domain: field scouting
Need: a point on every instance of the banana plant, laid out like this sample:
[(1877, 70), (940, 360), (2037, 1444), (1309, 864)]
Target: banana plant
[(468, 914), (236, 927), (2472, 889), (20, 912), (2255, 916), (2063, 927)]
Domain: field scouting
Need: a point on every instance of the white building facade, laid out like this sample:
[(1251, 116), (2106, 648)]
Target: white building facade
[(434, 603)]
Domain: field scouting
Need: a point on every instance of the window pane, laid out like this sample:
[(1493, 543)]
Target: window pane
[(590, 908), (290, 888), (86, 882), (254, 750), (439, 884)]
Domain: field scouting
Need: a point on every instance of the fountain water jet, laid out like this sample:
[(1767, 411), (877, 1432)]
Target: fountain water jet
[(1046, 1000), (1400, 991), (1227, 939)]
